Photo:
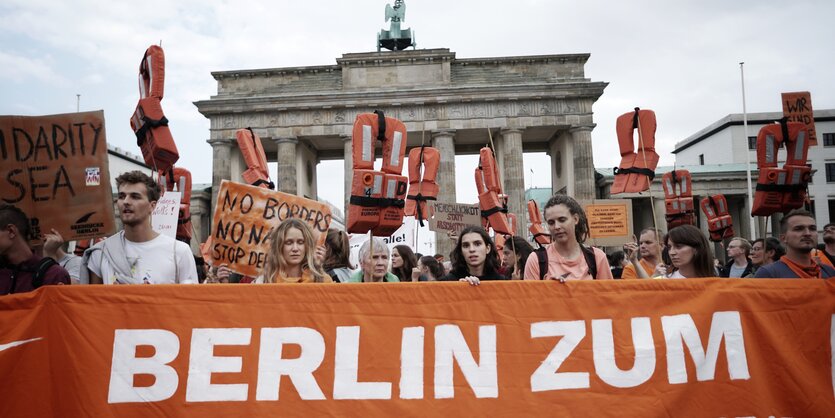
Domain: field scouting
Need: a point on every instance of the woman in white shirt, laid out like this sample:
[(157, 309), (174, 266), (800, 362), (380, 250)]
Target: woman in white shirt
[(690, 253)]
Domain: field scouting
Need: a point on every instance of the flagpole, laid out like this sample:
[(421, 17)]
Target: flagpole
[(754, 226)]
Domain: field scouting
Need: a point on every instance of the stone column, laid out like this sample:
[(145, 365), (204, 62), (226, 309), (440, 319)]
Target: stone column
[(286, 156), (583, 162), (513, 176), (349, 171), (221, 166), (444, 141)]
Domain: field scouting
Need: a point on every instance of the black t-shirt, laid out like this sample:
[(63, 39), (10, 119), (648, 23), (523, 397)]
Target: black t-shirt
[(452, 277)]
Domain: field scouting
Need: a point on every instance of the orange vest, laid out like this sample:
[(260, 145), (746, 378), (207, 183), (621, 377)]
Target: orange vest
[(719, 221), (148, 121), (257, 172), (179, 179), (423, 169), (536, 228), (636, 170), (491, 201), (377, 197), (678, 197), (781, 189)]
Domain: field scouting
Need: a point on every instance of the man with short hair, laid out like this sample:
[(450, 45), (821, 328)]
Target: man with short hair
[(827, 254), (20, 269), (798, 231), (374, 264), (138, 254), (739, 263), (650, 250)]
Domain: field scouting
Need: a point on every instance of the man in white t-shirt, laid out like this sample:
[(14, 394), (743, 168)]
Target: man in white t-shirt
[(138, 254)]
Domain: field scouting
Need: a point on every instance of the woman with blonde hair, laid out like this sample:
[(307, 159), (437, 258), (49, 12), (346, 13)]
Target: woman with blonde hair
[(293, 257)]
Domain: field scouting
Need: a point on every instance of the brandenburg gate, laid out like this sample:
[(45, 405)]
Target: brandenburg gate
[(539, 103)]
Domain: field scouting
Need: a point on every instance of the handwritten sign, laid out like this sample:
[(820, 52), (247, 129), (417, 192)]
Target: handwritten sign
[(405, 235), (610, 222), (55, 169), (453, 217), (797, 107), (166, 214), (244, 216)]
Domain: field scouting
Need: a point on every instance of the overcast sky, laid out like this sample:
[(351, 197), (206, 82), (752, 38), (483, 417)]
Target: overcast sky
[(679, 58)]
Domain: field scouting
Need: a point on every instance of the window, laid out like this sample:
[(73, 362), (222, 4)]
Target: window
[(701, 159), (829, 140), (752, 142), (830, 172), (831, 210)]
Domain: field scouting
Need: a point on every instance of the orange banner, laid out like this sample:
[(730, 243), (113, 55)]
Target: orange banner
[(713, 347), (243, 218), (55, 169)]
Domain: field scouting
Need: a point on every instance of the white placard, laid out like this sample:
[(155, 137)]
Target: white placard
[(405, 235), (165, 215)]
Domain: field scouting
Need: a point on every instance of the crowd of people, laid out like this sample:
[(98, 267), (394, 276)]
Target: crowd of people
[(139, 255)]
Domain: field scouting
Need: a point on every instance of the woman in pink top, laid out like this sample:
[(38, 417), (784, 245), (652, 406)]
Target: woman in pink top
[(566, 254)]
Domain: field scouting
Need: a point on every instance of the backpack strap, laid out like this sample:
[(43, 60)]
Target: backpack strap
[(40, 271), (542, 257), (591, 260)]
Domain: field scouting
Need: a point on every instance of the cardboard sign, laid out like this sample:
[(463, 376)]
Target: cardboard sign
[(797, 107), (453, 217), (610, 222), (166, 214), (55, 169), (405, 235), (244, 216), (631, 348)]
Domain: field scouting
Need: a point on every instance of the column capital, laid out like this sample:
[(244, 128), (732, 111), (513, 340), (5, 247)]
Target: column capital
[(286, 140), (442, 132), (505, 131), (582, 128), (219, 142), (345, 138)]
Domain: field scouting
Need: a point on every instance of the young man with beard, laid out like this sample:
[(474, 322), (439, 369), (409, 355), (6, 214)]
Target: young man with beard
[(798, 231), (827, 255), (20, 269), (138, 254)]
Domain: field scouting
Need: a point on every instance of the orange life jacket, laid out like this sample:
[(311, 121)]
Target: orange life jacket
[(83, 245), (179, 180), (781, 189), (257, 172), (491, 201), (148, 121), (678, 197), (719, 221), (377, 197), (536, 229), (423, 169), (636, 170)]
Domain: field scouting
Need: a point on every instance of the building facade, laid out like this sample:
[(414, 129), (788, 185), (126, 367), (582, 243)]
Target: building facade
[(306, 114)]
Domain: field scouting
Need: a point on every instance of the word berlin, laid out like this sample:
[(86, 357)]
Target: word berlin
[(450, 348)]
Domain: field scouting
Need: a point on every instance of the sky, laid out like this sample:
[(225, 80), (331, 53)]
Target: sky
[(678, 58)]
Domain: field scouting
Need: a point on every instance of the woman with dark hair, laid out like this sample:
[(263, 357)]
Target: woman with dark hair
[(689, 253), (402, 262), (566, 258), (337, 252), (428, 270), (764, 252), (474, 258), (516, 251)]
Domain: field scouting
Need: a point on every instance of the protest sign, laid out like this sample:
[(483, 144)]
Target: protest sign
[(405, 235), (244, 216), (610, 221), (55, 169), (453, 217), (166, 214), (797, 107), (632, 348)]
